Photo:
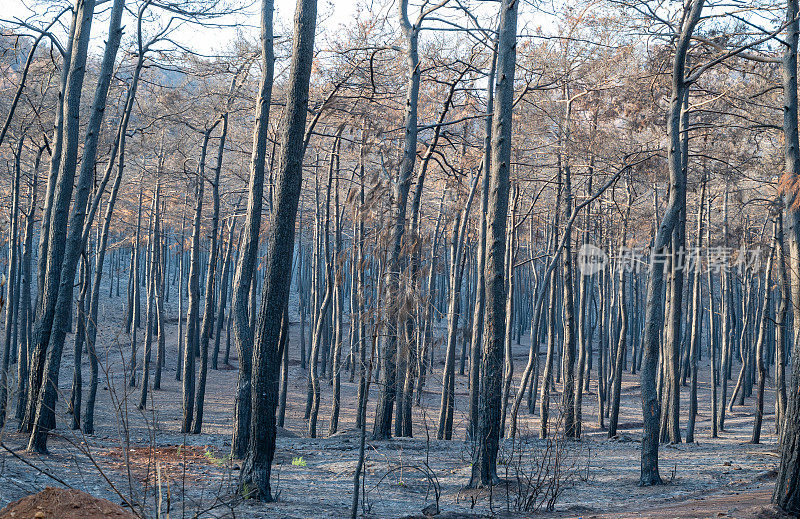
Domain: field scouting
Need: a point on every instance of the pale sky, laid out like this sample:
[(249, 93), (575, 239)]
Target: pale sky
[(205, 40)]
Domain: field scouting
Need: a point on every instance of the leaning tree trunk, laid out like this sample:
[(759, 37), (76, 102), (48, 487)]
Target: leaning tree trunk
[(65, 255), (255, 474), (59, 193), (246, 266), (52, 177), (654, 309), (88, 417)]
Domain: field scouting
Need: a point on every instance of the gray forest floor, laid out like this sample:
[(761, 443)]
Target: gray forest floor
[(723, 477)]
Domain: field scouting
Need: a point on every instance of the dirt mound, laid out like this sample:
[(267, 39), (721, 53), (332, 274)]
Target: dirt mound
[(58, 503)]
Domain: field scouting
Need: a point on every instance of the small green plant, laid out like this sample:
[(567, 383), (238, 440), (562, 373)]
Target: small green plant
[(298, 461), (246, 490), (216, 460)]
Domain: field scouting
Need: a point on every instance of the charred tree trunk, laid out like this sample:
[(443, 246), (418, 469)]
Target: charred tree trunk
[(192, 343), (787, 487), (246, 265), (484, 466), (654, 313), (255, 475), (761, 368)]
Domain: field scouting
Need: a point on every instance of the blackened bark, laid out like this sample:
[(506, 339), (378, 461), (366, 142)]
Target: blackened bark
[(787, 486), (149, 304), (223, 294), (246, 265), (26, 272), (484, 466), (59, 193), (207, 326), (192, 343), (386, 399), (72, 228), (654, 314), (255, 474), (761, 368), (476, 342), (697, 317), (11, 281)]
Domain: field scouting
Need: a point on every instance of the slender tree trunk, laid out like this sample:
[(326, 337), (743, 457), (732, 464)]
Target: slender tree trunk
[(761, 368), (338, 298), (159, 290), (191, 345), (447, 404), (697, 318), (284, 347), (386, 399), (319, 325), (726, 296), (547, 375), (781, 328), (484, 466), (26, 272), (135, 288), (713, 322), (619, 358), (11, 281), (181, 282), (255, 474), (651, 408), (149, 304), (246, 266), (223, 294), (508, 370), (207, 326)]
